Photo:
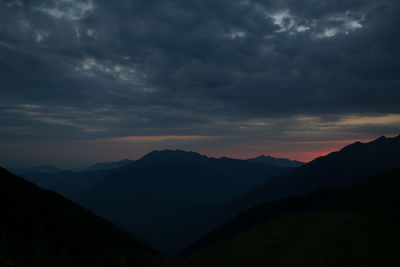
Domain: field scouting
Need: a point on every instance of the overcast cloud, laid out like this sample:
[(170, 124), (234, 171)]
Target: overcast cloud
[(287, 70)]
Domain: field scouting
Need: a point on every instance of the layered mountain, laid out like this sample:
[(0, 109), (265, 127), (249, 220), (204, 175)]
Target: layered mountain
[(163, 182), (68, 183), (280, 162), (351, 164), (172, 198), (378, 195), (41, 228), (106, 165), (41, 169)]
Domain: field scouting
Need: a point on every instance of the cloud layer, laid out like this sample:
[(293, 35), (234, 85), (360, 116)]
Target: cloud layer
[(251, 69)]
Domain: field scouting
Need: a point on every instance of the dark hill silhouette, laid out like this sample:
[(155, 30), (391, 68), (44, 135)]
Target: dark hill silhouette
[(170, 157), (280, 162), (105, 165), (350, 165), (161, 182), (68, 183), (378, 194), (41, 169), (41, 228), (328, 239)]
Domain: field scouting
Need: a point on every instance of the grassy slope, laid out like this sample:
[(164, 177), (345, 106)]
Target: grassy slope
[(310, 239), (357, 225)]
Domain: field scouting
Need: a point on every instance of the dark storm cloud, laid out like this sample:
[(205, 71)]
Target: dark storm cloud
[(85, 69)]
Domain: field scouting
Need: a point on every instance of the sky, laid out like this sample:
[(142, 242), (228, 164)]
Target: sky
[(83, 81)]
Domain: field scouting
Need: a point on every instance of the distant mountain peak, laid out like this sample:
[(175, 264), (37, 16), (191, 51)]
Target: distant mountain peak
[(264, 157), (384, 138), (176, 151), (172, 152), (280, 162), (169, 156), (378, 143)]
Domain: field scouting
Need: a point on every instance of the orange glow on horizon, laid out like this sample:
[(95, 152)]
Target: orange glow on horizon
[(299, 156), (304, 151)]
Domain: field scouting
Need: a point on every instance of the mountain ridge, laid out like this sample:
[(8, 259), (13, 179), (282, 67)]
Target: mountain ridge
[(281, 162), (351, 164), (162, 182), (192, 188), (42, 228), (377, 194)]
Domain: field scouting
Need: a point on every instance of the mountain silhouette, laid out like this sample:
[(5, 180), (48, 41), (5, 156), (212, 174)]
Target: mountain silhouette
[(328, 212), (41, 228), (280, 162), (162, 182), (170, 157), (68, 183), (351, 164), (171, 198), (105, 165), (378, 194), (41, 169)]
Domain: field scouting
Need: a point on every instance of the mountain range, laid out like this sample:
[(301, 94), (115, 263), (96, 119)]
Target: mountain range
[(163, 182), (351, 164), (133, 194), (105, 165), (338, 210), (39, 169), (170, 199), (377, 194)]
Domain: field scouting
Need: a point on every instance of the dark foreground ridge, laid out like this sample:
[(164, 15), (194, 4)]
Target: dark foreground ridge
[(41, 228), (378, 194), (356, 225)]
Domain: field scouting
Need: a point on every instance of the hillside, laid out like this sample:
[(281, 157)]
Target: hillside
[(41, 228), (356, 225), (378, 194), (41, 169), (70, 184), (351, 164), (328, 239)]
